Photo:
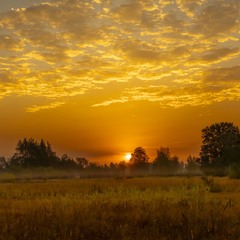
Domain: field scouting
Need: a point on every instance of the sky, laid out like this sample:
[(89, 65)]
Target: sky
[(98, 78)]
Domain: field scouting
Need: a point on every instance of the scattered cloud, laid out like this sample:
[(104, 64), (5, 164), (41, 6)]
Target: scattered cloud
[(109, 102), (216, 55), (224, 76), (176, 53), (218, 17), (10, 43), (36, 108), (190, 7), (169, 97)]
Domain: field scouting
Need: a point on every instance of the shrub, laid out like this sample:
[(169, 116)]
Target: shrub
[(7, 177), (234, 171), (210, 184)]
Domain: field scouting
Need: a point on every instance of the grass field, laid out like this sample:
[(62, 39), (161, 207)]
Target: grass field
[(134, 208)]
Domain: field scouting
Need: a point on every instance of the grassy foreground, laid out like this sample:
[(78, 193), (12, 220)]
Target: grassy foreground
[(137, 208)]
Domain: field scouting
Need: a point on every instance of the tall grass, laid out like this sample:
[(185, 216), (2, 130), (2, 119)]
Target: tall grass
[(137, 208)]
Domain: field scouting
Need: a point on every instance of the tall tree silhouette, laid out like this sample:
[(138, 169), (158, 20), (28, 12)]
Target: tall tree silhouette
[(165, 162), (139, 158), (219, 141), (30, 153), (3, 163)]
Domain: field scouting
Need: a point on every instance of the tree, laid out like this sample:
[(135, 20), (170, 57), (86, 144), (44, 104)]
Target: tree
[(218, 143), (163, 158), (139, 158), (30, 153), (192, 165), (165, 162), (27, 153), (122, 165), (3, 163), (113, 166), (82, 162), (67, 162)]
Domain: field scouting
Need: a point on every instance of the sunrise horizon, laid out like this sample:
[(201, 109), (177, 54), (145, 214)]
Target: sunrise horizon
[(99, 78)]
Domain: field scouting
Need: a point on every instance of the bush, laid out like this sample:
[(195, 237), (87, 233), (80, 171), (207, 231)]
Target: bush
[(234, 171), (210, 184), (7, 177)]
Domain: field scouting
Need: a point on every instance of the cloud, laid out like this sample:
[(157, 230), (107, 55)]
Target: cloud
[(173, 21), (219, 54), (43, 38), (200, 95), (6, 78), (36, 108), (219, 17), (8, 42), (98, 153), (128, 12), (189, 7), (139, 52), (109, 102), (62, 49), (223, 75)]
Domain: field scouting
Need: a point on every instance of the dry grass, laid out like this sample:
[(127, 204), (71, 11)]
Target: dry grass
[(137, 208)]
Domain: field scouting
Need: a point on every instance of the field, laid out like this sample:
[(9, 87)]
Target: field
[(134, 208)]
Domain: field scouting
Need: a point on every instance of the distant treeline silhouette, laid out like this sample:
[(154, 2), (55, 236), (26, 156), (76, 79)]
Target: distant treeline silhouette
[(219, 155)]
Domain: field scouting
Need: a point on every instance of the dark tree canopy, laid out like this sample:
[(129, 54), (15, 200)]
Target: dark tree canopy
[(139, 157), (30, 153), (3, 162), (193, 165), (82, 162), (164, 161), (66, 162), (218, 142), (163, 158)]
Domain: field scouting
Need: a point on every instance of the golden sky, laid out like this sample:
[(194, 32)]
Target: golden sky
[(98, 78)]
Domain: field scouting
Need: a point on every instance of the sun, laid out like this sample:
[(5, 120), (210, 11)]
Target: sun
[(128, 156)]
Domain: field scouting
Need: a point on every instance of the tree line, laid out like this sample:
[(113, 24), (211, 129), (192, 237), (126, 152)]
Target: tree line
[(32, 154), (219, 155)]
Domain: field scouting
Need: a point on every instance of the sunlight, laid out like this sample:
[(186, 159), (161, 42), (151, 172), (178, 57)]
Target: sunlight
[(128, 156)]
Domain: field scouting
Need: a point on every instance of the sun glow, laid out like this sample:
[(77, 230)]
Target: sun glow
[(128, 156)]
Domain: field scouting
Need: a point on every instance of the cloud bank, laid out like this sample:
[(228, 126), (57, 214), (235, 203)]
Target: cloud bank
[(176, 53)]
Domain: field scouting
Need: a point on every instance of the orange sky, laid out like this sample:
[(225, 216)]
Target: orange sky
[(98, 78)]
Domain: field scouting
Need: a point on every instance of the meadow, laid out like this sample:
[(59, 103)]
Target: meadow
[(121, 208)]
